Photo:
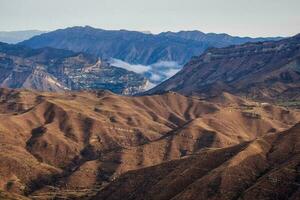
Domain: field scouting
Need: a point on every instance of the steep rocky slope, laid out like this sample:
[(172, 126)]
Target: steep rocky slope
[(49, 69), (70, 145), (132, 46), (265, 71)]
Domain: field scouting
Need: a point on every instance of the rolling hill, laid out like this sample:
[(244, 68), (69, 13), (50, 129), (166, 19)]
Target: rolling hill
[(72, 145), (265, 168)]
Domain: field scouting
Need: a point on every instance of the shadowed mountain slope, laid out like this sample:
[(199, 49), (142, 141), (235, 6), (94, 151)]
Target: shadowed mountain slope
[(265, 71)]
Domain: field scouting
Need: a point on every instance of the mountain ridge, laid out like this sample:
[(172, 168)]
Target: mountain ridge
[(135, 48), (264, 70)]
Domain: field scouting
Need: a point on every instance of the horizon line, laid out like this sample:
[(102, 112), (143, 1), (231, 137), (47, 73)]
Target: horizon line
[(144, 31)]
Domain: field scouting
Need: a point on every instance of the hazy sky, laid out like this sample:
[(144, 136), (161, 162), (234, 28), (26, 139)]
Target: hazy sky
[(236, 17)]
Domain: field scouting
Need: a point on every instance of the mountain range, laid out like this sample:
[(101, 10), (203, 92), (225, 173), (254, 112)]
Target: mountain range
[(147, 56), (136, 47), (49, 69), (216, 39), (155, 56)]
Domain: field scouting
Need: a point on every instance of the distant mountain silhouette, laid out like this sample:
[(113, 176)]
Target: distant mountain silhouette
[(14, 37), (135, 47), (216, 39)]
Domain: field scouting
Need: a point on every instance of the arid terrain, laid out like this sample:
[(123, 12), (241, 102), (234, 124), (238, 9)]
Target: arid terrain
[(265, 168), (149, 100), (99, 145)]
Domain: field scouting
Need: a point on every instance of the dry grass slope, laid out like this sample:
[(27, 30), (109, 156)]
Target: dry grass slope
[(50, 141), (266, 168)]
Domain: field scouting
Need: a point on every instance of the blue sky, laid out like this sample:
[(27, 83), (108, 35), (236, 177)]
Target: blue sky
[(236, 17)]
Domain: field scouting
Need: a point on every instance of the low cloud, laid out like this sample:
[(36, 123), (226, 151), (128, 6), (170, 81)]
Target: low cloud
[(156, 73), (155, 77), (167, 64), (172, 72), (134, 68)]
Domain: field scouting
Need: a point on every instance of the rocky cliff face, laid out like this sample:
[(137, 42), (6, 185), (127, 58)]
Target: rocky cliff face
[(51, 69), (266, 70), (135, 47)]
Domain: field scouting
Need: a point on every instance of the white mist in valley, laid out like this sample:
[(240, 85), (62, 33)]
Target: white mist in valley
[(156, 72)]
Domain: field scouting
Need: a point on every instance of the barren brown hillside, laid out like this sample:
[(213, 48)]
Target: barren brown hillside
[(266, 168), (72, 144)]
